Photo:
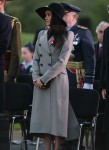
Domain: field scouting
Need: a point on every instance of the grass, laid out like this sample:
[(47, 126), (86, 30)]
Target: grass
[(17, 126), (26, 38)]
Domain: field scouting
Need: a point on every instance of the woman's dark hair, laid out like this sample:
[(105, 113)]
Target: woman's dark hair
[(58, 31)]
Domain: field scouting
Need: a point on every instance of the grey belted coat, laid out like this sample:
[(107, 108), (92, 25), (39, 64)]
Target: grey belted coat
[(51, 112)]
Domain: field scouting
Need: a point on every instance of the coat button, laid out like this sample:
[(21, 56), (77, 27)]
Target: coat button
[(41, 65), (39, 44), (49, 54), (49, 64), (40, 55)]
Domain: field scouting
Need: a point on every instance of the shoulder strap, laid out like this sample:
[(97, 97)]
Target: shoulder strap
[(81, 27)]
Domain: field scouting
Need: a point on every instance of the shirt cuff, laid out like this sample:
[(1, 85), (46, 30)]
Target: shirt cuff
[(88, 86)]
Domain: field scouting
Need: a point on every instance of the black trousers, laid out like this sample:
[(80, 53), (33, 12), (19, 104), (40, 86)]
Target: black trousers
[(100, 136), (4, 134), (106, 123), (72, 79)]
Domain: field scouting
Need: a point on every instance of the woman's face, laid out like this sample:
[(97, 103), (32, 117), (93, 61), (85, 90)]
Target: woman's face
[(48, 16), (26, 54)]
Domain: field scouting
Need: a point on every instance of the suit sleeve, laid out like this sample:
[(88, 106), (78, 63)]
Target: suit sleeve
[(15, 49), (5, 34), (104, 60), (89, 56), (60, 65)]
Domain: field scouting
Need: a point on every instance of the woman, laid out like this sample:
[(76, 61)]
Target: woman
[(50, 99)]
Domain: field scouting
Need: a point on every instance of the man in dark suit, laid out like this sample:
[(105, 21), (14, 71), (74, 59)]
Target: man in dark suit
[(81, 66), (104, 84), (99, 47), (99, 141), (5, 36)]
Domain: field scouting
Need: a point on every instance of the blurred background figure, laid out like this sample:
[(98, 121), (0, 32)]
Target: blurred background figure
[(27, 55), (99, 47), (25, 76), (36, 34)]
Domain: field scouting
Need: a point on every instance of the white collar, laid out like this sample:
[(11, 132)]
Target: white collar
[(26, 65)]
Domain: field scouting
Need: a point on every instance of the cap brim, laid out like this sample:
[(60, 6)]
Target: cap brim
[(41, 12), (70, 8)]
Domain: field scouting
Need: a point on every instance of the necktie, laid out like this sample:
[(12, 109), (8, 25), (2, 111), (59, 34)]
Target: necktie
[(100, 51)]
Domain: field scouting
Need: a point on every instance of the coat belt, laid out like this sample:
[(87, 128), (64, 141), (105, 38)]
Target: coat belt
[(76, 65), (78, 69)]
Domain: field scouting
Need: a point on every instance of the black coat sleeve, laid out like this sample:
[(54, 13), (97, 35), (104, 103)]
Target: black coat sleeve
[(89, 56), (5, 33)]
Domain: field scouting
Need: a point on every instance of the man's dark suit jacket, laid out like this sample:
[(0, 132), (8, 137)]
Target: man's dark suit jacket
[(5, 35)]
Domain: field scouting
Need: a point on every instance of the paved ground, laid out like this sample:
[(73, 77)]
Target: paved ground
[(30, 147)]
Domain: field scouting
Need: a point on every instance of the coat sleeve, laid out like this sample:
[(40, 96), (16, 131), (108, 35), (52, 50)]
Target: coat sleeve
[(5, 33), (36, 58), (89, 56), (15, 49), (60, 65)]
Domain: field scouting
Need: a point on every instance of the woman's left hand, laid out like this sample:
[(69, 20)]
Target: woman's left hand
[(38, 83)]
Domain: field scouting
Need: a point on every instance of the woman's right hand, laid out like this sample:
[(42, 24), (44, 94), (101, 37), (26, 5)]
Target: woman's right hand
[(38, 84), (104, 93)]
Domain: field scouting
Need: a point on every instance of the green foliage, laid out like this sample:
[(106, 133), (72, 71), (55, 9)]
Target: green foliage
[(95, 10), (26, 38)]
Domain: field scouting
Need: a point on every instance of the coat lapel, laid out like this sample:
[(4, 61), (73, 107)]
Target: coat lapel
[(44, 41)]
